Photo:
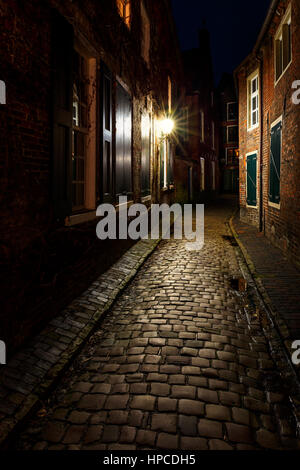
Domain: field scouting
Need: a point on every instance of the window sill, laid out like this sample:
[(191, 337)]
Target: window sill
[(77, 219), (167, 188), (251, 207), (250, 129), (122, 206), (274, 205)]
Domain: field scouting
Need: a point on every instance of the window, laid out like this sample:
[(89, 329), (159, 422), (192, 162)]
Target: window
[(275, 163), (146, 35), (252, 180), (74, 124), (213, 134), (190, 183), (202, 126), (213, 176), (283, 46), (232, 110), (146, 153), (123, 165), (80, 131), (83, 133), (232, 156), (202, 180), (124, 7), (253, 101), (107, 139), (232, 134)]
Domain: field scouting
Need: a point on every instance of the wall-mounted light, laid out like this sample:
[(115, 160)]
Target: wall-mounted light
[(165, 126)]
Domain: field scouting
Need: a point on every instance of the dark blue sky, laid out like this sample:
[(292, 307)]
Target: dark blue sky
[(233, 24)]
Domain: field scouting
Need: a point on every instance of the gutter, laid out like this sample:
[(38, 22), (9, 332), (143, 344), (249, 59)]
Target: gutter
[(260, 59), (272, 10)]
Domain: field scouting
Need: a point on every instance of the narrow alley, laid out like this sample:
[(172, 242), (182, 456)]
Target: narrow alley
[(118, 118), (174, 365)]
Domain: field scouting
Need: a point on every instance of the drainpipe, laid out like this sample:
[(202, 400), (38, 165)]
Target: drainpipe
[(261, 166)]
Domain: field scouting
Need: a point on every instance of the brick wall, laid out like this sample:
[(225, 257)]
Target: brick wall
[(281, 225), (44, 263)]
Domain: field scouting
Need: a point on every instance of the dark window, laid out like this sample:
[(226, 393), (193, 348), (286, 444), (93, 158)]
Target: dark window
[(232, 156), (107, 161), (275, 164), (146, 152), (283, 49), (123, 142), (232, 110), (232, 132)]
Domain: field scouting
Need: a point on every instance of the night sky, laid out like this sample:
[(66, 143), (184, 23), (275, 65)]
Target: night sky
[(233, 24)]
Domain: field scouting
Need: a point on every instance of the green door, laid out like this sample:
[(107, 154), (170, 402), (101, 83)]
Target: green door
[(252, 180)]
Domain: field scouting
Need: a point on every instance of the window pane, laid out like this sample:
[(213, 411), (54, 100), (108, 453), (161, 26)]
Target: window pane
[(107, 103), (232, 111)]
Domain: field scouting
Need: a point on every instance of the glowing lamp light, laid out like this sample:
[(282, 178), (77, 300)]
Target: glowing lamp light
[(165, 126)]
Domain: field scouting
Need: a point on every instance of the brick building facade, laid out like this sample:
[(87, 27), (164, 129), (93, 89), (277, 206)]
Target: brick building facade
[(86, 82), (229, 135), (197, 168), (269, 116)]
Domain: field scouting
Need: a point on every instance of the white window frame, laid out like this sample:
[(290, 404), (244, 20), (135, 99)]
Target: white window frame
[(246, 182), (287, 19), (250, 96), (90, 145)]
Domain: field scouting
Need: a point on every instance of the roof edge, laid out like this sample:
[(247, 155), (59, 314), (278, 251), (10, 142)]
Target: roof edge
[(266, 24), (264, 28)]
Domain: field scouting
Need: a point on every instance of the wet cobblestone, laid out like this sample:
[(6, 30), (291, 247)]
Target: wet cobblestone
[(175, 364)]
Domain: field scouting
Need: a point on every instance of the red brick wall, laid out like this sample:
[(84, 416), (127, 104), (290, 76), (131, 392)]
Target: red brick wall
[(44, 265), (281, 226)]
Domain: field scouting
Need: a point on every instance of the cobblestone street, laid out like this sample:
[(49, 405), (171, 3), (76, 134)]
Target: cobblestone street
[(174, 365)]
